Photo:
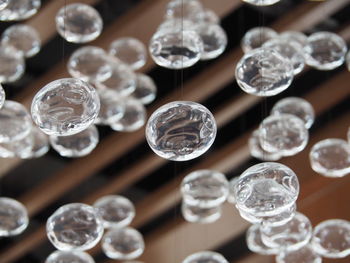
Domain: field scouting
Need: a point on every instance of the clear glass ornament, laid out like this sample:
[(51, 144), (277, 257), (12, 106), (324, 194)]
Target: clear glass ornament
[(288, 49), (214, 40), (205, 257), (264, 72), (325, 51), (179, 9), (2, 96), (256, 37), (181, 130), (176, 45), (206, 16), (74, 227), (116, 211), (69, 257), (23, 38), (297, 107), (112, 107), (331, 238), (205, 188), (293, 235), (20, 148), (258, 152), (15, 122), (76, 145), (295, 36), (305, 254), (3, 4), (331, 157), (266, 189), (123, 243), (13, 217), (146, 89), (130, 51), (285, 134), (195, 214), (255, 244), (78, 23), (261, 2), (89, 63), (65, 107), (231, 198), (12, 65), (17, 10), (134, 116), (40, 143)]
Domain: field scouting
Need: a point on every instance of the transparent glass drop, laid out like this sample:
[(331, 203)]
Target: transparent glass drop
[(255, 244), (78, 23), (295, 36), (40, 143), (231, 198), (17, 10), (13, 217), (65, 107), (112, 107), (181, 130), (12, 65), (146, 89), (256, 37), (3, 4), (205, 257), (258, 152), (195, 214), (2, 96), (20, 148), (187, 9), (69, 257), (207, 16), (261, 2), (305, 254)]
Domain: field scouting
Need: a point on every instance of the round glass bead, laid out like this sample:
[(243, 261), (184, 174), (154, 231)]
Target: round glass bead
[(13, 217), (89, 63), (74, 227), (134, 116), (181, 130), (261, 2), (180, 9), (266, 189), (23, 38), (112, 107), (331, 157), (12, 65), (116, 211), (264, 72), (204, 188), (65, 107), (20, 148), (205, 257), (78, 23), (231, 198), (40, 145), (15, 122), (325, 51), (297, 107), (305, 254), (130, 51), (145, 90), (331, 238), (123, 243), (285, 134), (295, 36), (256, 37), (255, 244), (3, 4), (207, 16), (2, 96), (69, 257), (17, 10), (258, 152), (76, 145), (195, 214)]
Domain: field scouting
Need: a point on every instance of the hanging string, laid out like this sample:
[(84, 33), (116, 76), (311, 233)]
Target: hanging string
[(64, 33)]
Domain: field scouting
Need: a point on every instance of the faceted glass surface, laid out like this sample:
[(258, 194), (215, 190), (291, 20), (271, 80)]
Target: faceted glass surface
[(231, 198), (331, 157), (146, 89), (188, 9), (195, 214), (256, 37), (176, 45), (69, 257), (305, 254), (115, 211), (130, 51), (74, 227), (288, 49), (12, 64), (89, 63), (295, 106), (15, 122), (13, 217), (2, 96), (205, 257), (261, 2), (264, 72), (204, 188), (65, 107), (17, 10), (76, 145), (78, 23), (266, 189), (134, 116), (123, 243), (331, 238), (112, 107), (24, 38), (255, 244), (293, 235), (325, 51), (181, 130), (285, 134), (207, 16), (258, 152), (214, 40), (20, 148), (40, 145), (295, 36)]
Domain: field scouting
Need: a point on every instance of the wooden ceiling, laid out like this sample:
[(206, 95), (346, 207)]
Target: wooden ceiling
[(122, 163)]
